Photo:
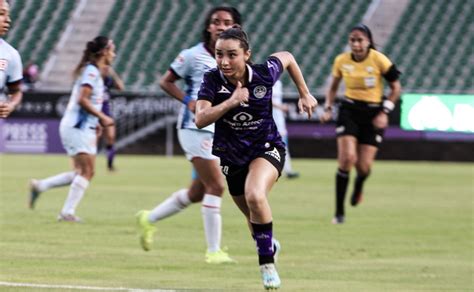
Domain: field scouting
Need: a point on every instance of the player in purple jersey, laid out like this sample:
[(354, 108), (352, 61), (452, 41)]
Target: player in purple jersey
[(237, 97), (111, 81)]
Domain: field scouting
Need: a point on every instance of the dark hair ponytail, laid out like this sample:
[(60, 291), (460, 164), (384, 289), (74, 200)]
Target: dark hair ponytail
[(206, 36), (366, 30), (92, 52)]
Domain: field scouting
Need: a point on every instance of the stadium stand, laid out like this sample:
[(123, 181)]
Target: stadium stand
[(432, 45), (431, 42), (37, 26), (272, 26)]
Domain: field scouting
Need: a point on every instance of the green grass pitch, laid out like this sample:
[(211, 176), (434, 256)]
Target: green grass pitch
[(412, 232)]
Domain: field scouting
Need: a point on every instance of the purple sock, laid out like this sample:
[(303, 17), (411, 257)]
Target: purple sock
[(110, 156), (263, 236)]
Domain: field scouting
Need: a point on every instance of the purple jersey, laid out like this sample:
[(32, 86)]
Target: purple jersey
[(244, 132)]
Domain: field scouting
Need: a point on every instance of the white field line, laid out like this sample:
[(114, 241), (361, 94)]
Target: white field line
[(48, 286)]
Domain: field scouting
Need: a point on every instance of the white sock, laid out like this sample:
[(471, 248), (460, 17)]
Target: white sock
[(76, 192), (172, 205), (58, 180), (211, 215)]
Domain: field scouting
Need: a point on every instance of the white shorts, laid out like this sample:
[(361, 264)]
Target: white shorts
[(77, 141), (196, 143)]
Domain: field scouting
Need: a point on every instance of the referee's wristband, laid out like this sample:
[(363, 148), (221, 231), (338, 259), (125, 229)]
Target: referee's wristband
[(388, 106), (187, 99)]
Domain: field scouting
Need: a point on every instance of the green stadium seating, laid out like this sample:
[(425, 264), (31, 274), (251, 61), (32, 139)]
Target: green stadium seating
[(432, 36)]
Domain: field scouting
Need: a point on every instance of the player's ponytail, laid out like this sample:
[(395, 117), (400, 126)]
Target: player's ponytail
[(92, 52)]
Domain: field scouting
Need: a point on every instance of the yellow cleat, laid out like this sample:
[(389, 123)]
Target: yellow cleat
[(146, 230), (219, 257)]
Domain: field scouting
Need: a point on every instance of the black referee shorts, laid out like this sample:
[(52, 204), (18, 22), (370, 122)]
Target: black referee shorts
[(357, 121)]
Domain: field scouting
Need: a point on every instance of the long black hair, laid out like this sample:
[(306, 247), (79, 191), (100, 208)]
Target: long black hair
[(92, 52), (365, 30), (206, 36)]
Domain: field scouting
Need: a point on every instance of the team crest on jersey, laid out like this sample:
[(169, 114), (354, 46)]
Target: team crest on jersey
[(3, 64), (369, 69), (260, 91), (179, 59), (242, 117)]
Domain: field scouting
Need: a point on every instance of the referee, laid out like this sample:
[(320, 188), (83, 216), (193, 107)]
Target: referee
[(363, 114)]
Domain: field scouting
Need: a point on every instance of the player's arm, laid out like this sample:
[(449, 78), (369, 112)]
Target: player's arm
[(168, 84), (15, 96), (85, 102), (307, 103), (118, 83), (207, 114)]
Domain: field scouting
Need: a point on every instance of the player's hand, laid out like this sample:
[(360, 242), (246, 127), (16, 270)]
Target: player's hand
[(326, 115), (240, 96), (5, 109), (380, 121), (307, 104)]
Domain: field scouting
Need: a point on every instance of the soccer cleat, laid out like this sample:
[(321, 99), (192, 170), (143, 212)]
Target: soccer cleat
[(219, 257), (292, 174), (69, 218), (146, 229), (34, 193), (339, 219), (270, 277), (356, 199), (276, 249)]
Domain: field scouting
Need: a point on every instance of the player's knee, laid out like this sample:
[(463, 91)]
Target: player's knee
[(347, 161), (255, 200), (363, 170), (216, 188)]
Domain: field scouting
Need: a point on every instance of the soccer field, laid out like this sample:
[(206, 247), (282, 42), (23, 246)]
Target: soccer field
[(413, 231)]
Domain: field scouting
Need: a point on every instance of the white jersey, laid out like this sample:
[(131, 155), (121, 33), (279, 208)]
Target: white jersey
[(190, 65), (11, 69), (75, 116), (278, 114)]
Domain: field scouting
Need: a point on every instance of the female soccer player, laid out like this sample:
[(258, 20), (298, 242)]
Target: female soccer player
[(364, 111), (237, 97), (207, 185), (11, 68), (82, 119)]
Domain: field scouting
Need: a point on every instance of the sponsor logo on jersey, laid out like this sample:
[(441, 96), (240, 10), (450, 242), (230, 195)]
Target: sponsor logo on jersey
[(260, 91), (3, 64), (242, 117), (348, 67)]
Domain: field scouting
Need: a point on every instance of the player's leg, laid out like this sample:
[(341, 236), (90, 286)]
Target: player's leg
[(366, 157), (109, 146), (210, 175), (84, 163), (37, 186), (346, 156), (260, 179), (287, 168)]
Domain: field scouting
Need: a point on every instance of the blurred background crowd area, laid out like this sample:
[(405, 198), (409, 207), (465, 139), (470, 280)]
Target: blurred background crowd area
[(430, 40)]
